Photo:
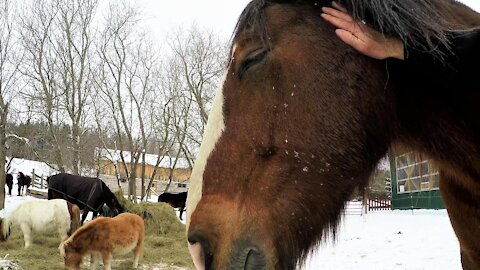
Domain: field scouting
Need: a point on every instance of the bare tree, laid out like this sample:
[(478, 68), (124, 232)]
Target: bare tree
[(57, 36), (163, 137), (9, 61), (73, 50), (198, 62), (142, 83), (126, 68), (39, 68)]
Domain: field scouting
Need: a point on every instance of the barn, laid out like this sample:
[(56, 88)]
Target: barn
[(111, 164), (414, 181)]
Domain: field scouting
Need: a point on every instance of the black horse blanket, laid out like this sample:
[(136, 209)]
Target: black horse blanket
[(83, 191)]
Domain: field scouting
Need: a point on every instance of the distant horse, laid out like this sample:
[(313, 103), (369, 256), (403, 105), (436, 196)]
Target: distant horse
[(23, 182), (42, 216), (87, 192), (103, 237), (176, 200), (302, 119), (9, 182)]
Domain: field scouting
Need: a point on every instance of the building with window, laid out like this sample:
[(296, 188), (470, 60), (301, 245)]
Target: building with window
[(415, 182), (165, 167)]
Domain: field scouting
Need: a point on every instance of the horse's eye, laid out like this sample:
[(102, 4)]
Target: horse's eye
[(253, 58)]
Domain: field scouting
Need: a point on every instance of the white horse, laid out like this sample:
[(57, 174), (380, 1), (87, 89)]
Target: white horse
[(43, 216)]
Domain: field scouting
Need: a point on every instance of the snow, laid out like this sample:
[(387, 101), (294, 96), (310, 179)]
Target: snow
[(12, 202), (389, 240), (393, 240), (26, 166), (406, 240), (403, 240)]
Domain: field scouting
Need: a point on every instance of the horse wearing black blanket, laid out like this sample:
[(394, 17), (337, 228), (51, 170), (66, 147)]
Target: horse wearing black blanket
[(87, 192)]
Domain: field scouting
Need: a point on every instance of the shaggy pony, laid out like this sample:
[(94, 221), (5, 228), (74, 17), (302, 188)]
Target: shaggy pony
[(42, 216), (103, 237)]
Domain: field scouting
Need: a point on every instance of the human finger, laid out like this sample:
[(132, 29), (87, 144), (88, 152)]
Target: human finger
[(339, 7), (337, 13), (352, 26), (351, 40)]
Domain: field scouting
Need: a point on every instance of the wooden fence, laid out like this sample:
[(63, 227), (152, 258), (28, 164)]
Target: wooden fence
[(379, 204), (38, 181)]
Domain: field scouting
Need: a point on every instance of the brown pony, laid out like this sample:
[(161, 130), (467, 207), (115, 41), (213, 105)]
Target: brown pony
[(301, 120), (103, 237)]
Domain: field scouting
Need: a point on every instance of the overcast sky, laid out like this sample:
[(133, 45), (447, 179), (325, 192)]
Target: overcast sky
[(219, 15)]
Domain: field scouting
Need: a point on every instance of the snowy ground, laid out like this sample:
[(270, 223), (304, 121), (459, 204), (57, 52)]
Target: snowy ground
[(390, 240), (403, 240)]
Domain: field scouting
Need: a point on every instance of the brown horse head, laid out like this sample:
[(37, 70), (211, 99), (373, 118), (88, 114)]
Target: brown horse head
[(300, 121)]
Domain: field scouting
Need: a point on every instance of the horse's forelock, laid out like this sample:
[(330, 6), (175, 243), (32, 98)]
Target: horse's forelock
[(419, 23), (253, 16)]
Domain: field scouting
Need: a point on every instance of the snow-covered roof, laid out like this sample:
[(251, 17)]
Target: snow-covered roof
[(150, 159)]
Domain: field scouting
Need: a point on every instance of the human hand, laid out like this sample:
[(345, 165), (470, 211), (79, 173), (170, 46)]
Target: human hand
[(361, 37)]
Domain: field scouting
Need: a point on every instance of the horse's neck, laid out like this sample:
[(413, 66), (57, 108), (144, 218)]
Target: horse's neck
[(13, 217), (78, 242), (82, 237)]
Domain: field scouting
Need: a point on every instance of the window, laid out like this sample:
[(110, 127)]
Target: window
[(182, 185), (415, 174)]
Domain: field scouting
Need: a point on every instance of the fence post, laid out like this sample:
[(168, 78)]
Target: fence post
[(34, 179)]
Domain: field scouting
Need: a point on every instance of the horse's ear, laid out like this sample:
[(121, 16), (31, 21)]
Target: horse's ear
[(63, 246)]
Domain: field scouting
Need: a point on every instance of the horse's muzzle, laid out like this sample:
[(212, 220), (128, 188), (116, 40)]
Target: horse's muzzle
[(243, 256), (200, 251)]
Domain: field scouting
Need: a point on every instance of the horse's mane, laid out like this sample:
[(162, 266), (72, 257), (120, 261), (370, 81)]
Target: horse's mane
[(418, 23), (82, 230)]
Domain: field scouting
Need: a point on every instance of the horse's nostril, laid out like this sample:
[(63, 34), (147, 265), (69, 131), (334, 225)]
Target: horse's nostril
[(200, 250), (255, 260), (249, 258)]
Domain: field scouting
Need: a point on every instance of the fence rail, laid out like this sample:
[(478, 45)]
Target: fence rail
[(379, 204), (353, 208), (38, 181)]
